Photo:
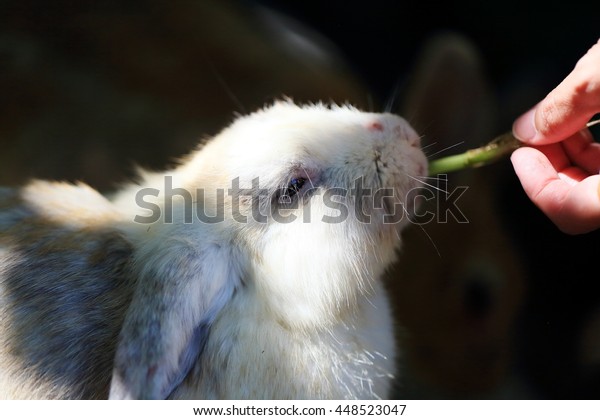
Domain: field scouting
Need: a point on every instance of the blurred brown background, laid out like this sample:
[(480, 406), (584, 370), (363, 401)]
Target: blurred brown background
[(495, 308), (89, 88)]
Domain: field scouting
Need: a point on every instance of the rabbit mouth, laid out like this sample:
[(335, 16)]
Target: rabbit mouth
[(380, 165), (399, 184)]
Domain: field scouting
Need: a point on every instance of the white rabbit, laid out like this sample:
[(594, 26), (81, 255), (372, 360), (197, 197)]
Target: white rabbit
[(278, 296)]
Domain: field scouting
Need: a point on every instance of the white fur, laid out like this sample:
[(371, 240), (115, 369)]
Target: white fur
[(287, 310), (311, 319)]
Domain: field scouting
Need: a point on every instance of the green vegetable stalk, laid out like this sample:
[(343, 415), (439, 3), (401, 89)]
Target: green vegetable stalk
[(502, 145), (473, 158)]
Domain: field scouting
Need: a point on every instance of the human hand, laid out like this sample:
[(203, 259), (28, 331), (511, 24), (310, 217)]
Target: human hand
[(560, 172)]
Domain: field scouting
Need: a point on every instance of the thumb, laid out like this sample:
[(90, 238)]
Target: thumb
[(567, 108)]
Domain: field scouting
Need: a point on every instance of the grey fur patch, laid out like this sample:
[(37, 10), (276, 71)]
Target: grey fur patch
[(63, 296)]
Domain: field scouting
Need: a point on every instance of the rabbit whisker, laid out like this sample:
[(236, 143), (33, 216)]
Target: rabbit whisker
[(426, 183), (392, 100), (427, 177), (444, 149), (226, 87), (429, 145), (437, 251)]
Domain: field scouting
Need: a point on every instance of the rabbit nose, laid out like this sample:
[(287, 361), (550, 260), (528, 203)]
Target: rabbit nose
[(375, 126)]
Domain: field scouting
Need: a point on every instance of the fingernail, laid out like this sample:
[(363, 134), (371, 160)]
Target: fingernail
[(524, 126)]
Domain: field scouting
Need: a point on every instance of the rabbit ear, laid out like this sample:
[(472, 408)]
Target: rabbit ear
[(449, 100), (180, 291)]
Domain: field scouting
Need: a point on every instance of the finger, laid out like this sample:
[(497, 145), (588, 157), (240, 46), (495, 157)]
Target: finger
[(556, 156), (535, 171), (583, 151), (574, 208), (580, 212), (573, 175), (567, 108)]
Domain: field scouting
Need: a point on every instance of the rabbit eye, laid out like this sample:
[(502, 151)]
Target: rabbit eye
[(291, 190), (295, 185)]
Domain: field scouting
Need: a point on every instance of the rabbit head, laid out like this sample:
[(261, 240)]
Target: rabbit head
[(296, 208)]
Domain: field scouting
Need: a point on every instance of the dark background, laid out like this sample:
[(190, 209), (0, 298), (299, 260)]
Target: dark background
[(527, 48), (521, 42), (88, 88)]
